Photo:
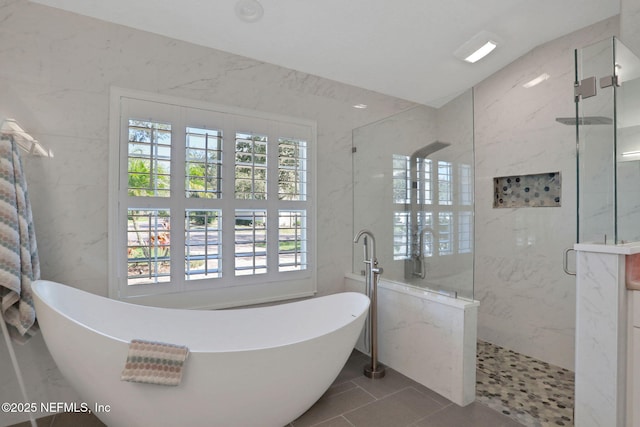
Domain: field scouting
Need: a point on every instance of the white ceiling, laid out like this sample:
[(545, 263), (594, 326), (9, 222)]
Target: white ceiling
[(402, 48)]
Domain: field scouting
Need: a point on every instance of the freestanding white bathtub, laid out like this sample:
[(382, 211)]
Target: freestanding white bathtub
[(246, 367)]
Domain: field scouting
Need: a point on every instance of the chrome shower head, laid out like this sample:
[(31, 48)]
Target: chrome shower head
[(429, 149)]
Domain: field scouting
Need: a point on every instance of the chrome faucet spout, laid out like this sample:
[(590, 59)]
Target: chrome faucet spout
[(369, 235)]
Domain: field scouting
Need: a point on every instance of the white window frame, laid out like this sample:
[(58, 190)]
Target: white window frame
[(229, 290)]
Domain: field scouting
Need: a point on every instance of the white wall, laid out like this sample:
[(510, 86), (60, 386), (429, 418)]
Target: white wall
[(56, 69), (629, 28), (527, 302)]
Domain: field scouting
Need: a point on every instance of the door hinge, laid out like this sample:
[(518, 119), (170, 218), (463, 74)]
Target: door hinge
[(609, 81), (585, 88)]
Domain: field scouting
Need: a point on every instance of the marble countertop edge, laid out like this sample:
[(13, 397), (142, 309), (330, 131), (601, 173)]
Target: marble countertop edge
[(621, 249)]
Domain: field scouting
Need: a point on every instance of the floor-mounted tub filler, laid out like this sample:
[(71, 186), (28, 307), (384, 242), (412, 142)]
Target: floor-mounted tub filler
[(245, 367)]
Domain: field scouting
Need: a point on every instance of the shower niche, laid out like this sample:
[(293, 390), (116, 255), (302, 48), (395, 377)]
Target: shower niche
[(522, 191)]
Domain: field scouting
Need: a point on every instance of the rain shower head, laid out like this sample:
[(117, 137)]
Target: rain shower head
[(589, 120), (429, 149)]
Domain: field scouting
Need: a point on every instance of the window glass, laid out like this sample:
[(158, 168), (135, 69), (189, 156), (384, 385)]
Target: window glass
[(251, 166), (148, 246), (149, 161), (203, 244), (203, 163), (251, 242)]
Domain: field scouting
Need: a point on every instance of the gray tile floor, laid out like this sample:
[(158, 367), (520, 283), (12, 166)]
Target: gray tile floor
[(393, 401), (67, 419), (356, 401)]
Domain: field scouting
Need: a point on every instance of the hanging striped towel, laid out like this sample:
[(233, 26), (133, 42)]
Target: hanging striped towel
[(19, 264), (154, 363)]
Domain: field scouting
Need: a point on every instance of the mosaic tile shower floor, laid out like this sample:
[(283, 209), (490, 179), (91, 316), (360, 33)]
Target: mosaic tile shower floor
[(529, 391)]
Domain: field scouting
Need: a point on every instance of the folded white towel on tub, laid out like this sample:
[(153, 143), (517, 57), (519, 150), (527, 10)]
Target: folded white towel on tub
[(154, 363)]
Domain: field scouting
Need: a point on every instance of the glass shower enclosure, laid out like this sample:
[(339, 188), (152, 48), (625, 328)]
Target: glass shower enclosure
[(608, 143), (413, 188)]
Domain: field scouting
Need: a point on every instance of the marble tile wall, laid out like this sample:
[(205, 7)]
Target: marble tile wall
[(56, 69), (629, 28), (527, 302)]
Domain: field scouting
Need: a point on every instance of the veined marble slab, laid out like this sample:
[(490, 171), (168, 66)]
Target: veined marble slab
[(427, 337)]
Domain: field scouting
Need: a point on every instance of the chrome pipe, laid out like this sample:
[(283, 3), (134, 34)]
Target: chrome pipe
[(423, 269), (372, 276)]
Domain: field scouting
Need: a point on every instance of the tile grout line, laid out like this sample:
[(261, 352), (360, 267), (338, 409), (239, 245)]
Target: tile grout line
[(376, 399), (334, 418), (344, 391), (365, 390), (430, 415)]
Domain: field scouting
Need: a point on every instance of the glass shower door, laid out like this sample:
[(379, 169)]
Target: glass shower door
[(413, 188), (595, 147), (608, 143), (627, 119)]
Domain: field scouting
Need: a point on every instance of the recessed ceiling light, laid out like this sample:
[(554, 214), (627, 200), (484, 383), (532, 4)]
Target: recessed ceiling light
[(482, 51), (542, 77), (360, 106), (477, 47), (249, 10)]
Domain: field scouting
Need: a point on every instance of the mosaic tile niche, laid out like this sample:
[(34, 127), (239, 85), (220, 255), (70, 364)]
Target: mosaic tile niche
[(539, 190)]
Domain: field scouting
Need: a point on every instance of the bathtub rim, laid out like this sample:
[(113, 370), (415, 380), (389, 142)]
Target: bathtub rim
[(174, 311)]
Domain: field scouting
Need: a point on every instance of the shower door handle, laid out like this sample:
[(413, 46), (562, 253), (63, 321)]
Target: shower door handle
[(565, 262)]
